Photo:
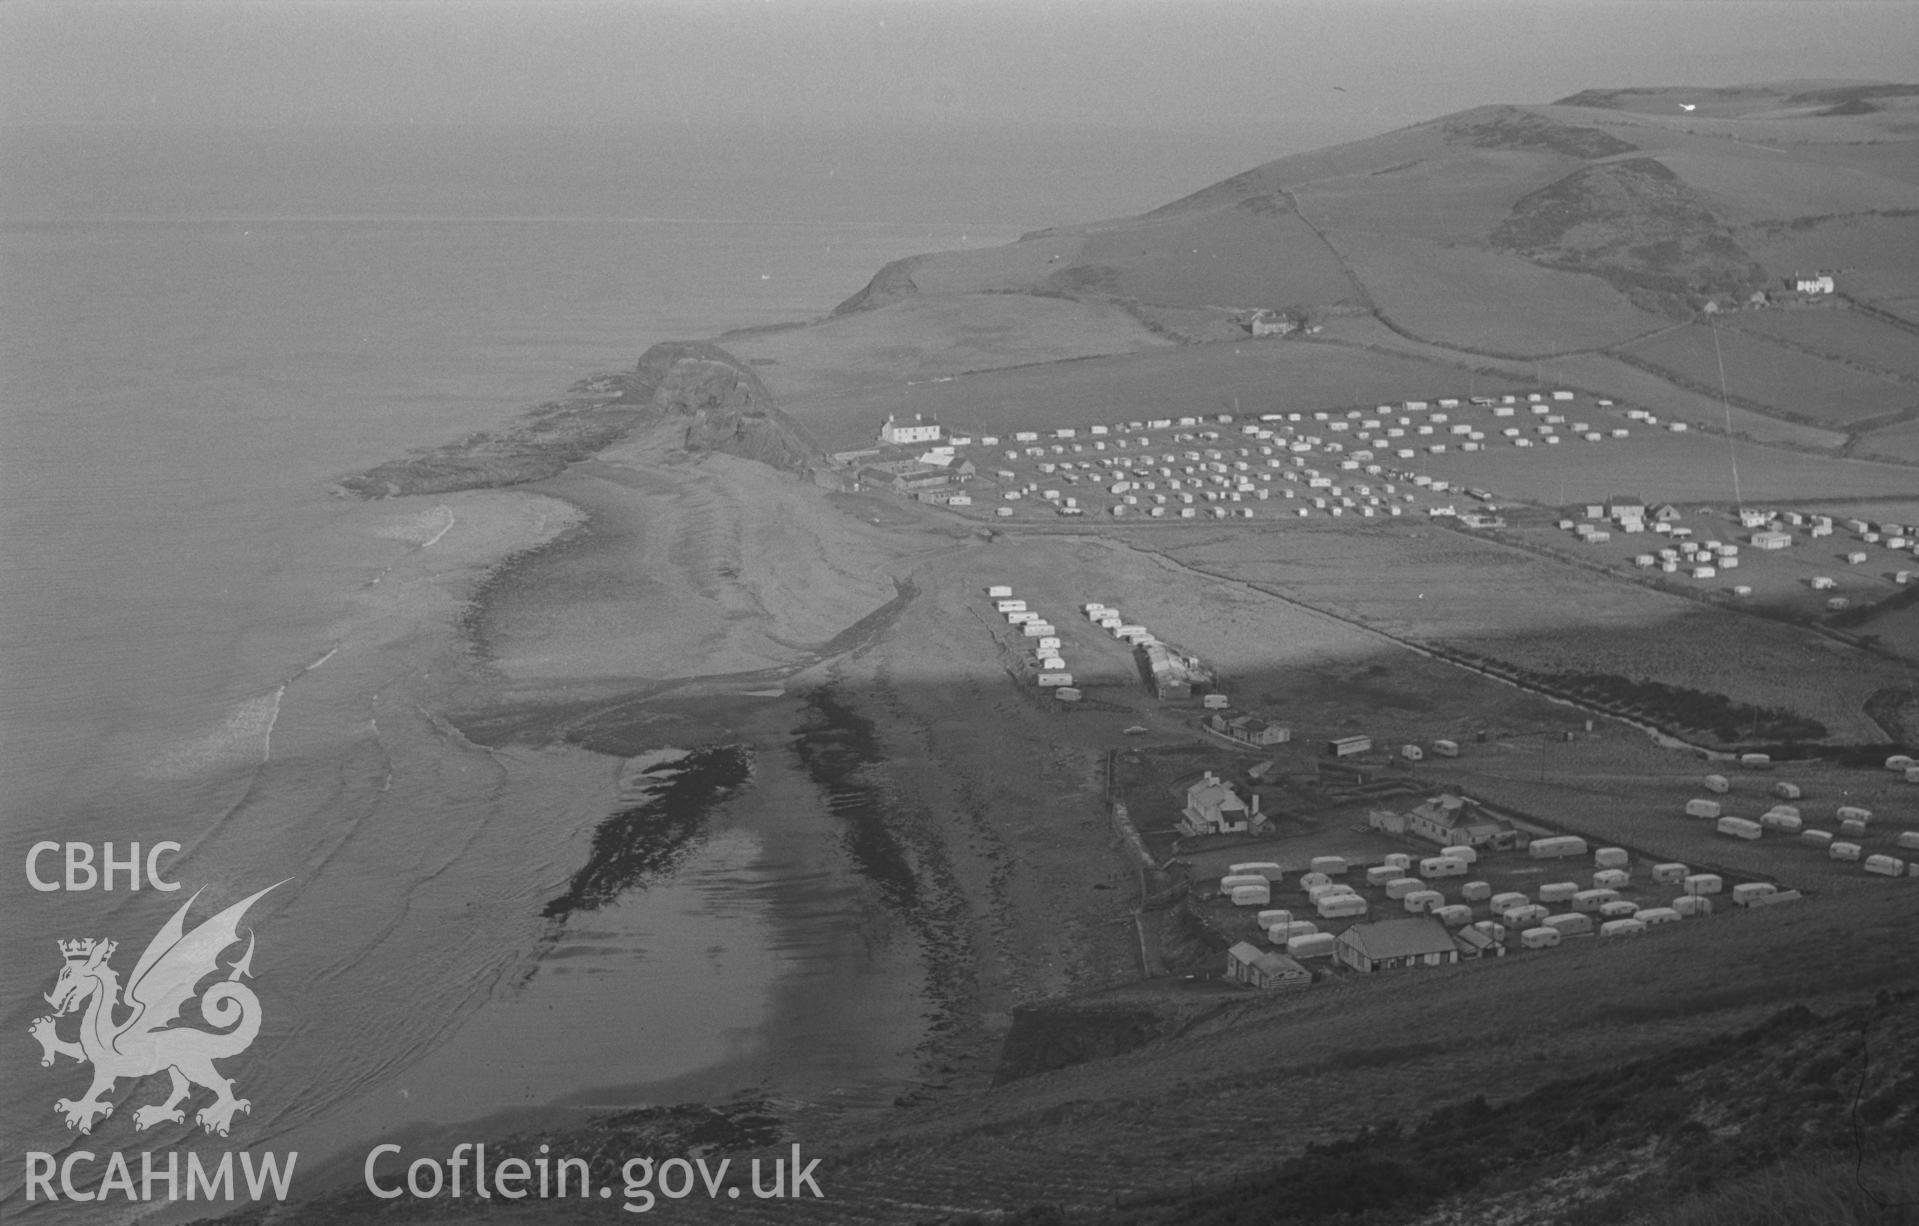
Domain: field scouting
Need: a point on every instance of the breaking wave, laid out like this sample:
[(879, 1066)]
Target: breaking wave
[(243, 738)]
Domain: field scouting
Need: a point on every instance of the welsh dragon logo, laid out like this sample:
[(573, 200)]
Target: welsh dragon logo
[(142, 1040)]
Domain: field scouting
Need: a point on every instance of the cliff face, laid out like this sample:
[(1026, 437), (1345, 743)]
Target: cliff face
[(891, 283), (714, 402)]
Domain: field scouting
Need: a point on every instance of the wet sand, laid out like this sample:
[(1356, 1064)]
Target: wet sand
[(712, 935), (838, 844)]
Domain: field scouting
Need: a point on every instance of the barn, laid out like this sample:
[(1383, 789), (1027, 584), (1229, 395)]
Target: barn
[(1458, 821), (1248, 964), (1388, 944)]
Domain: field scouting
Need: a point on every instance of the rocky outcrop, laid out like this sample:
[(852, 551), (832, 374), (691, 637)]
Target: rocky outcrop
[(889, 284), (1637, 224), (540, 444), (696, 395), (712, 401)]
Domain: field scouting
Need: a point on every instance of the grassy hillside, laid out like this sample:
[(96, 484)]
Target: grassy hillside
[(1517, 232)]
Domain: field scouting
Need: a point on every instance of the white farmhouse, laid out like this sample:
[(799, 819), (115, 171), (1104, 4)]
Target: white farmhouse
[(919, 430)]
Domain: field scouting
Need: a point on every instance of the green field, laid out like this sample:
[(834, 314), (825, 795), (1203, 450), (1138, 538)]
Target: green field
[(1488, 301), (1905, 308), (1791, 383), (1742, 183), (1844, 336), (1429, 583), (1607, 375), (923, 337), (1256, 254), (1878, 255), (1461, 194), (1900, 442)]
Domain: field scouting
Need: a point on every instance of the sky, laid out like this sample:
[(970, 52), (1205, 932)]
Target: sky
[(902, 63)]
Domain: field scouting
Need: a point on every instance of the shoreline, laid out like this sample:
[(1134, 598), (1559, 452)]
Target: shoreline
[(513, 696), (861, 754)]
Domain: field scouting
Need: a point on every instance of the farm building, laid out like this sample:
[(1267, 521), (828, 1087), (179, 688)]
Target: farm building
[(1476, 942), (1459, 821), (1248, 729), (1248, 964), (1212, 807), (1388, 944), (902, 482), (1266, 322)]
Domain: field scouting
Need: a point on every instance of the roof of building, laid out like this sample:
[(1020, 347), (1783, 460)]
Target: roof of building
[(1453, 812), (1212, 794), (1474, 938), (1245, 952), (1399, 938), (1276, 963)]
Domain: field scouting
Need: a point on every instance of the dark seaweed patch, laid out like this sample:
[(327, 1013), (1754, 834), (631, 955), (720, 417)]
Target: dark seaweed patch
[(651, 838), (836, 748)]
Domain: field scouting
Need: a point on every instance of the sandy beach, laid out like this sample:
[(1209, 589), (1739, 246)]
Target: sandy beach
[(699, 587), (843, 920)]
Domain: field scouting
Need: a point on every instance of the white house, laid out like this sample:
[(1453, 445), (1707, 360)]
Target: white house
[(1818, 284), (1212, 807), (919, 430), (1266, 322)]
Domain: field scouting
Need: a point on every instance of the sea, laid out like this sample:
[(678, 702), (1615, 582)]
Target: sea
[(201, 331)]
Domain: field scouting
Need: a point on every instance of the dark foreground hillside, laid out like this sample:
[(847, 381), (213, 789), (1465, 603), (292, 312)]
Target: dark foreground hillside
[(1803, 1118)]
